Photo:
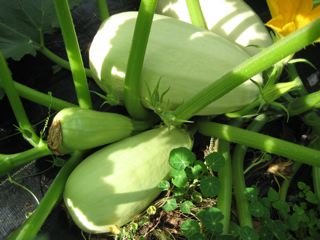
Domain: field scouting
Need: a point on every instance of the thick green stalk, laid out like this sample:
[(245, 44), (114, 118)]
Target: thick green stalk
[(135, 62), (33, 224), (313, 120), (41, 98), (103, 9), (225, 193), (304, 103), (59, 60), (73, 52), (269, 95), (239, 185), (262, 142), (249, 68), (316, 180), (9, 162), (195, 13), (7, 84)]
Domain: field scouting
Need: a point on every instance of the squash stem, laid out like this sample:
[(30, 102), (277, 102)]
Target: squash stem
[(103, 9), (262, 142), (316, 180), (40, 98), (73, 52), (249, 68), (196, 14), (59, 60), (9, 162), (7, 84), (225, 193), (239, 185), (135, 62), (33, 224), (304, 103)]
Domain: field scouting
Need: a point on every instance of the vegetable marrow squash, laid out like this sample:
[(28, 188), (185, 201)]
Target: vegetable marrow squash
[(80, 129), (110, 187), (232, 19), (180, 60)]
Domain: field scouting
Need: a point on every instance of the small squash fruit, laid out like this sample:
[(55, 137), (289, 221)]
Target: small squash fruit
[(81, 129)]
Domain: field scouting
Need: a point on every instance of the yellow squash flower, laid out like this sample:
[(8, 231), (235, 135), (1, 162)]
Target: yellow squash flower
[(290, 15)]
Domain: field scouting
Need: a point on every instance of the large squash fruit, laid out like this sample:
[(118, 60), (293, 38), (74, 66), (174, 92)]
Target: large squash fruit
[(182, 58), (232, 19), (110, 187)]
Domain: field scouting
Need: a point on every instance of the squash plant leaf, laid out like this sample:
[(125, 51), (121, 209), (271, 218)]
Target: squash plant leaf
[(23, 24)]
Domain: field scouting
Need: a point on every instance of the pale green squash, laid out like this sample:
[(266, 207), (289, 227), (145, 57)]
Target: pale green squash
[(81, 129), (179, 56), (110, 187), (232, 19)]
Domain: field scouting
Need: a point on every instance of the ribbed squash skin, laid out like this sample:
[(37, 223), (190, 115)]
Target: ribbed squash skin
[(81, 129), (113, 185), (184, 58), (232, 19)]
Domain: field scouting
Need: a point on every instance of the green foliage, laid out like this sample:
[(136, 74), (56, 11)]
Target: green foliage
[(170, 205), (297, 218), (181, 158), (193, 182), (209, 186), (211, 220), (23, 25)]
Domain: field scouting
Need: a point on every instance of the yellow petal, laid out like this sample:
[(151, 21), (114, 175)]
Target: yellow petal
[(274, 8), (304, 7), (288, 28)]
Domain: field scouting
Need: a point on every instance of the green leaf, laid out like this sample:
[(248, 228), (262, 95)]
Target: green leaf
[(211, 219), (180, 158), (209, 186), (191, 229), (278, 229), (170, 205), (164, 185), (282, 207), (257, 209), (186, 206), (197, 169), (273, 195), (180, 179), (215, 161), (265, 233), (251, 193), (312, 197), (23, 24), (247, 233)]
